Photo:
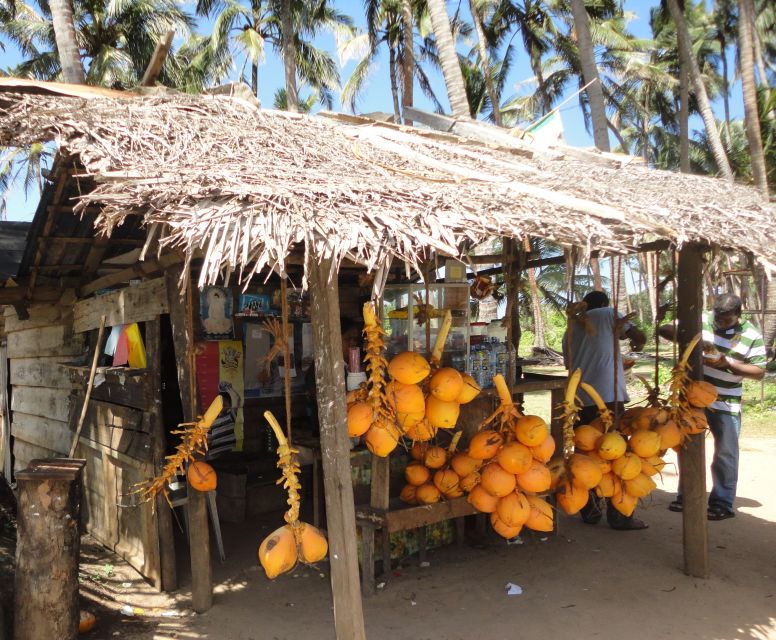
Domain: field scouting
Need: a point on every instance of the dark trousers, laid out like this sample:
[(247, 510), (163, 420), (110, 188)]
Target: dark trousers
[(588, 512)]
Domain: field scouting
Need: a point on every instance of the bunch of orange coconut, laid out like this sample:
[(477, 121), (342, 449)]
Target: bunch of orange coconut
[(419, 398), (620, 464), (503, 469)]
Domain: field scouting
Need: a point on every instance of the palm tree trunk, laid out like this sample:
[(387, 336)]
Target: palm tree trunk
[(289, 59), (684, 119), (645, 284), (408, 66), (255, 79), (448, 57), (595, 266), (619, 288), (758, 56), (536, 308), (645, 138), (392, 70), (652, 292), (595, 92), (725, 80), (688, 59), (485, 62), (751, 114), (768, 299), (67, 46)]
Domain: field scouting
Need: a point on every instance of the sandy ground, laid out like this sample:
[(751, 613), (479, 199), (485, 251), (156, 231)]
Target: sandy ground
[(586, 582)]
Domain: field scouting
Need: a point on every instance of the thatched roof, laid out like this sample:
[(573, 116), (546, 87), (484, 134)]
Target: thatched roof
[(245, 185)]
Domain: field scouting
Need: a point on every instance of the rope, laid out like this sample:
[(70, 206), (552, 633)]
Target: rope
[(656, 260), (286, 353)]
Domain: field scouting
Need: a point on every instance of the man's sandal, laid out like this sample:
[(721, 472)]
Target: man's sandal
[(676, 505), (720, 513)]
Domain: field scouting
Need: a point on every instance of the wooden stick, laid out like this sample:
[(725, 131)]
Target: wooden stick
[(89, 387), (157, 59), (286, 353)]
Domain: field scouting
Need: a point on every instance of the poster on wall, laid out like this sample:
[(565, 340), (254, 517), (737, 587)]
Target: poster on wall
[(219, 368), (215, 312)]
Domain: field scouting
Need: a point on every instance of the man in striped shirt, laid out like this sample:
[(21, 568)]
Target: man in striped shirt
[(733, 350)]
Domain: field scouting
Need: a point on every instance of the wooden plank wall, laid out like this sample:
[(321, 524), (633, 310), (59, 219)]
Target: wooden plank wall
[(42, 393)]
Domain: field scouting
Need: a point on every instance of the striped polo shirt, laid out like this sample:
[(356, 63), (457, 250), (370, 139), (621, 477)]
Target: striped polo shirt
[(742, 343)]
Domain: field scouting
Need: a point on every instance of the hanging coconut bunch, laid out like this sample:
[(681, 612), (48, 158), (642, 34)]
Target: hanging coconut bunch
[(617, 465), (295, 541), (688, 398), (430, 475), (504, 468), (415, 400)]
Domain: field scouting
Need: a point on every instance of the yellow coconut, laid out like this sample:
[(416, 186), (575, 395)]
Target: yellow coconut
[(421, 431), (469, 391), (417, 474), (513, 509), (606, 465), (496, 480), (657, 462), (585, 471), (408, 367), (640, 486), (405, 398), (670, 435), (700, 393), (427, 494), (446, 480), (503, 529), (463, 464), (482, 500), (557, 468), (536, 480), (571, 497), (442, 415), (611, 445), (586, 437), (468, 483), (515, 457), (544, 451), (382, 438), (627, 467), (435, 457), (455, 492), (605, 488), (540, 518), (407, 494), (531, 430), (446, 385), (277, 552), (644, 443), (418, 450), (360, 418), (647, 418), (624, 502), (313, 546), (407, 421), (202, 476), (693, 422), (484, 445)]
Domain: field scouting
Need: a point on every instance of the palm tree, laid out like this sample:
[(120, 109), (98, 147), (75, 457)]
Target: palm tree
[(67, 47), (116, 40), (289, 61), (746, 58), (687, 59), (448, 58), (241, 32), (590, 75), (478, 9)]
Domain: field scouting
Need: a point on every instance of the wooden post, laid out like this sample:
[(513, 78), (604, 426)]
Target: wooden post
[(692, 458), (169, 577), (181, 319), (47, 551), (335, 447)]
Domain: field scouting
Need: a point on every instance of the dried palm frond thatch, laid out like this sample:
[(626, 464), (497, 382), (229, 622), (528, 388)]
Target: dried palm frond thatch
[(243, 186)]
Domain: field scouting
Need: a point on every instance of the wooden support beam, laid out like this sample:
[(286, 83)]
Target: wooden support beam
[(335, 447), (692, 457), (48, 226), (157, 59), (139, 270), (94, 257), (49, 541), (182, 322)]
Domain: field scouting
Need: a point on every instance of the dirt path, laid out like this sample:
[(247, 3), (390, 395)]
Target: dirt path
[(587, 582)]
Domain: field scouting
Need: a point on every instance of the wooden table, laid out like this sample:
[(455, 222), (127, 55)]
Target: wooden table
[(389, 515)]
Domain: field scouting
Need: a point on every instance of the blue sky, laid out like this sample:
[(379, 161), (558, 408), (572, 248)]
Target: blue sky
[(377, 96)]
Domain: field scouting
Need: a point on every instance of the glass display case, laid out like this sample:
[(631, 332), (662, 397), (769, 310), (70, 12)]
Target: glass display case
[(405, 317)]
